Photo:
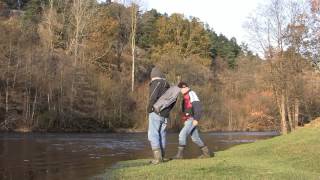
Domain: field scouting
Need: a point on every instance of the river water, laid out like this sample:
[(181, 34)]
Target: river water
[(81, 156)]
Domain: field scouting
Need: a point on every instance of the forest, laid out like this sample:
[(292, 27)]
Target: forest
[(83, 66)]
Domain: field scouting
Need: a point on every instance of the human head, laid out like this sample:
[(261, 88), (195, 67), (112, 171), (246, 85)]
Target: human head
[(156, 73), (184, 87)]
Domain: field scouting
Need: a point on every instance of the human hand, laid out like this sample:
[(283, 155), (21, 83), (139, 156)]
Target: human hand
[(195, 123)]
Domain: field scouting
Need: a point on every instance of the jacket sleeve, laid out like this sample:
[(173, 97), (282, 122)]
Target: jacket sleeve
[(153, 95), (196, 106)]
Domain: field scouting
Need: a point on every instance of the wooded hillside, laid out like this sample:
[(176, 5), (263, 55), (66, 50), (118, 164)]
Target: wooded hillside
[(67, 66)]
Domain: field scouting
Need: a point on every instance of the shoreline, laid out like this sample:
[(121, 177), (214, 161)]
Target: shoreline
[(124, 130), (120, 131)]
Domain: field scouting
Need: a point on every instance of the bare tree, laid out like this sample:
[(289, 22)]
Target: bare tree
[(274, 32), (314, 33), (46, 31), (81, 12), (134, 12)]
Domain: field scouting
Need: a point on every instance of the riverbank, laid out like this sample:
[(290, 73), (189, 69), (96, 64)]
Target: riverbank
[(293, 156), (118, 130)]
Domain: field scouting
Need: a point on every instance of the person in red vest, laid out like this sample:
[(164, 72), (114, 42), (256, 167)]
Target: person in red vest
[(191, 109)]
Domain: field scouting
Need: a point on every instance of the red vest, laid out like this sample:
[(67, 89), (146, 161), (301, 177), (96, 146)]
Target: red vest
[(187, 107)]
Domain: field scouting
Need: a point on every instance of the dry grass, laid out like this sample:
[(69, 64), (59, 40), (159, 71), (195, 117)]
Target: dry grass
[(314, 123)]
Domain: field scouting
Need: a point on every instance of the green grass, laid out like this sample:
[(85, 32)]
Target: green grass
[(293, 156)]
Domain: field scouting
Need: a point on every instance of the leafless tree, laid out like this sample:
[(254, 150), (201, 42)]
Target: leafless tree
[(274, 30), (134, 11)]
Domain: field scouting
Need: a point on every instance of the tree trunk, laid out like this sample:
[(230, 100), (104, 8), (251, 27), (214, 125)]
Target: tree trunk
[(7, 99), (61, 93), (77, 16), (284, 129), (132, 73), (7, 79), (34, 107), (296, 112), (289, 114), (230, 120), (133, 40), (290, 120)]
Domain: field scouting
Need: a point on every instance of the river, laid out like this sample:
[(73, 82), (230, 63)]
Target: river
[(53, 156)]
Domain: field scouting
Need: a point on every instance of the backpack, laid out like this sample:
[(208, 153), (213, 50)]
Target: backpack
[(169, 97)]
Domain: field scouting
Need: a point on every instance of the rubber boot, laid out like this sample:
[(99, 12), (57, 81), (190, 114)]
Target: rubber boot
[(157, 157), (205, 153), (164, 159), (179, 153)]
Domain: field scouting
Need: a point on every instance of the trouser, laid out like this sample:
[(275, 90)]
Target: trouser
[(189, 129), (157, 131)]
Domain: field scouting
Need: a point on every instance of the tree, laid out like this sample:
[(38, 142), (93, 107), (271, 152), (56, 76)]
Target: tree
[(313, 21), (278, 32), (134, 11), (198, 41), (147, 30), (222, 47), (81, 13)]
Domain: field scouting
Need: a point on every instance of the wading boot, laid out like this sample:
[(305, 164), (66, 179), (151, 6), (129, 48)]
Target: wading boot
[(157, 157), (164, 159), (205, 153), (179, 153)]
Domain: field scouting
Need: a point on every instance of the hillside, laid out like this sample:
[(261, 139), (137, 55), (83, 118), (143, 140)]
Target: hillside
[(67, 67)]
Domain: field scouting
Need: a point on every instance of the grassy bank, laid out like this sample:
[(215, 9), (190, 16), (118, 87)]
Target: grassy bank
[(293, 156)]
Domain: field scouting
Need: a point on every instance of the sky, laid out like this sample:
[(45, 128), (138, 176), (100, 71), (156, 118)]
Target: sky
[(224, 16)]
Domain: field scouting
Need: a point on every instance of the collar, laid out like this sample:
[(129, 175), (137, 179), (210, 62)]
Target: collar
[(157, 78)]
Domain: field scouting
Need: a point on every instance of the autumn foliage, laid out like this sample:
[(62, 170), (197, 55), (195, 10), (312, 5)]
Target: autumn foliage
[(66, 66)]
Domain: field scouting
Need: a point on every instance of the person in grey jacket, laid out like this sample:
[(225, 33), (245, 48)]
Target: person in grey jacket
[(192, 110), (157, 121)]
